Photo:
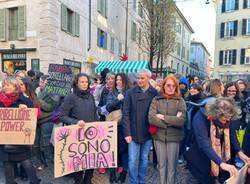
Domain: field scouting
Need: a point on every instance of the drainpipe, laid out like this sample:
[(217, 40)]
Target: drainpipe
[(89, 46), (126, 30)]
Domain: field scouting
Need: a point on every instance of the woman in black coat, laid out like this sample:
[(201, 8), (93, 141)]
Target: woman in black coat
[(79, 108), (210, 156), (11, 97), (115, 100)]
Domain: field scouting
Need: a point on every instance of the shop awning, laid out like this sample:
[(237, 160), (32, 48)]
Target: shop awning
[(122, 66)]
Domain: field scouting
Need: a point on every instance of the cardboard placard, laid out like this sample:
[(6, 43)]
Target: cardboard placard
[(91, 147), (18, 126), (239, 179), (59, 80)]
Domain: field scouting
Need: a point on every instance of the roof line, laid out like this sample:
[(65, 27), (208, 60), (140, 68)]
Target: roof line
[(195, 42), (185, 20)]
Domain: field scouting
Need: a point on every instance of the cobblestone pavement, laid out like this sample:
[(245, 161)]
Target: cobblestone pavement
[(183, 177)]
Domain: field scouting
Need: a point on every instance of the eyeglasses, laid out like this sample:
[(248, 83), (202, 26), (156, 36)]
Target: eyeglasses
[(231, 91), (170, 85)]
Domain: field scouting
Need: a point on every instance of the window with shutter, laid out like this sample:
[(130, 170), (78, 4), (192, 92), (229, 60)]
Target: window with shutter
[(234, 56), (242, 57), (229, 29), (247, 56), (236, 5), (102, 7), (21, 23), (221, 58), (244, 26), (101, 39), (64, 18), (223, 6), (235, 28), (248, 26), (13, 23), (228, 57), (77, 24), (247, 3), (230, 5), (222, 30), (2, 24), (70, 21)]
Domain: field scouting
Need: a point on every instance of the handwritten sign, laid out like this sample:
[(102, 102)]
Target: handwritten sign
[(91, 147), (60, 79), (18, 126), (240, 178)]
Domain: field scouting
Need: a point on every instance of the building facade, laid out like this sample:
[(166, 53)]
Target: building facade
[(199, 56), (232, 42), (178, 61), (77, 33)]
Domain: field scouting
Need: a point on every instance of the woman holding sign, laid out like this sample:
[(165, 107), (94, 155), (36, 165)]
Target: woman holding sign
[(79, 108), (210, 156), (11, 97)]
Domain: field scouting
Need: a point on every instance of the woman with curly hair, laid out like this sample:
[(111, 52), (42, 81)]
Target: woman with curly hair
[(210, 156)]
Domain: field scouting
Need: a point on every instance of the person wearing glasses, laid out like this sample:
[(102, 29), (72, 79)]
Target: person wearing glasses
[(232, 90), (210, 156), (167, 114)]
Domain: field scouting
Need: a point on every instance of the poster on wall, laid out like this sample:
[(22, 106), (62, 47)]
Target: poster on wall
[(77, 149), (18, 126)]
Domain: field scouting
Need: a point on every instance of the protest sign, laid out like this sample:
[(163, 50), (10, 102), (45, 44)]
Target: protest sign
[(59, 80), (91, 147), (18, 126), (240, 178)]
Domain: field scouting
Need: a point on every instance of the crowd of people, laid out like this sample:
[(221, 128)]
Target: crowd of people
[(185, 121)]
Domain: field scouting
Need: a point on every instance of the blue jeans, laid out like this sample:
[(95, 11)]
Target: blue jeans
[(138, 161)]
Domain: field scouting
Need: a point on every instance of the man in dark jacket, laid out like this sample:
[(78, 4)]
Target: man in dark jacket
[(135, 123)]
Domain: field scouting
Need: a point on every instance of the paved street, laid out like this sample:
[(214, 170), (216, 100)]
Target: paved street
[(152, 178)]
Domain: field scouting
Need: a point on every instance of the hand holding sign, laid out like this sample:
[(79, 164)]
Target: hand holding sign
[(93, 146), (81, 123), (230, 168)]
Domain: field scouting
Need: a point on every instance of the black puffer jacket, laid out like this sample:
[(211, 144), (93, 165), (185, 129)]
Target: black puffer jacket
[(78, 106), (18, 152)]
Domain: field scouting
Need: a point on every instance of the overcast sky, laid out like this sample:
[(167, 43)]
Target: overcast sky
[(201, 17)]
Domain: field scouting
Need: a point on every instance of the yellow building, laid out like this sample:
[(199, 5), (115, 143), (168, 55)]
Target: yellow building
[(232, 42)]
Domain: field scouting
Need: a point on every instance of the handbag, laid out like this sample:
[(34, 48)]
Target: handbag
[(115, 116)]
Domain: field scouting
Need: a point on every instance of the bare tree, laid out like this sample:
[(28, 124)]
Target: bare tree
[(157, 37)]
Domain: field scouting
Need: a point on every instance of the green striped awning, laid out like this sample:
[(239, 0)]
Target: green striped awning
[(122, 66)]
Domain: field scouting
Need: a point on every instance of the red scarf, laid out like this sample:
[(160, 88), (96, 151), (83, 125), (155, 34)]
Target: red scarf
[(8, 99)]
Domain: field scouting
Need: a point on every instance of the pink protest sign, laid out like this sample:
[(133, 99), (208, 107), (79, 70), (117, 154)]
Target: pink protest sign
[(91, 147)]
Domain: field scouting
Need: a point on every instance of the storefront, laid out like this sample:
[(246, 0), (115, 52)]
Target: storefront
[(74, 65), (12, 62)]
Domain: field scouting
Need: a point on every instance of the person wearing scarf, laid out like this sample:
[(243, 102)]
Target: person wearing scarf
[(11, 97), (167, 114), (79, 108), (214, 142)]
